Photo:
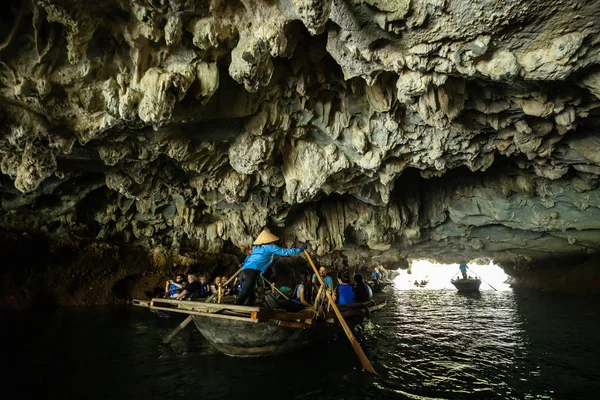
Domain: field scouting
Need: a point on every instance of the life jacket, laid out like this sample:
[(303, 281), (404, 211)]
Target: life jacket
[(346, 294), (204, 290), (174, 289)]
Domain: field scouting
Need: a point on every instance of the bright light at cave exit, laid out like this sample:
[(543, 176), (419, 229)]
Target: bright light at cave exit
[(439, 276)]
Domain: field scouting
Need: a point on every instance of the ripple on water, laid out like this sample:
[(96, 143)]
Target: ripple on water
[(426, 344)]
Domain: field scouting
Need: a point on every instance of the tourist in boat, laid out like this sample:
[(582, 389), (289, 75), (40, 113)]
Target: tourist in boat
[(326, 279), (362, 291), (174, 287), (204, 287), (192, 290), (301, 293), (214, 288), (227, 289), (344, 293), (375, 275), (257, 262), (463, 270)]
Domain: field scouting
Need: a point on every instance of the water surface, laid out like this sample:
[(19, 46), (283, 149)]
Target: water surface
[(426, 344)]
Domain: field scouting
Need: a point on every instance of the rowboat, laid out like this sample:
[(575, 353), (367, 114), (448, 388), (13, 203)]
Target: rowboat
[(466, 285), (378, 286), (249, 331)]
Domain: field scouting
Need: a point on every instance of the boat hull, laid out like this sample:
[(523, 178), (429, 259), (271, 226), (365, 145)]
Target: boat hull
[(243, 339), (252, 331), (273, 337), (467, 285)]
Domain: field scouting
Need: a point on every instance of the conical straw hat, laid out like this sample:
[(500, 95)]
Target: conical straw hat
[(266, 237)]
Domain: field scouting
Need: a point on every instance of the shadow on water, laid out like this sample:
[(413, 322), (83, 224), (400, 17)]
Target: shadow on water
[(426, 344)]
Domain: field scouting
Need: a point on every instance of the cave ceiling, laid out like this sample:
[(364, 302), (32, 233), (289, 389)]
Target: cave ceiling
[(395, 129)]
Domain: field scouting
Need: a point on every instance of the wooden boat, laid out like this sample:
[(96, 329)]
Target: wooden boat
[(243, 331), (377, 287), (168, 314), (466, 285)]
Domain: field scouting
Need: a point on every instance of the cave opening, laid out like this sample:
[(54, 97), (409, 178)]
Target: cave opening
[(437, 275)]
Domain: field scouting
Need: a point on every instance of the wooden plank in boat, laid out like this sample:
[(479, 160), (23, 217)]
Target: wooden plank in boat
[(357, 311), (185, 304), (293, 324), (209, 315), (141, 303), (266, 314)]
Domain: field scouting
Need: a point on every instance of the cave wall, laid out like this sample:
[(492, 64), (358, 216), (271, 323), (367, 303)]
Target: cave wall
[(43, 272), (438, 129)]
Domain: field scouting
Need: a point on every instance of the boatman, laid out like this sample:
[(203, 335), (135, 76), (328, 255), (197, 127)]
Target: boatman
[(463, 270), (257, 262)]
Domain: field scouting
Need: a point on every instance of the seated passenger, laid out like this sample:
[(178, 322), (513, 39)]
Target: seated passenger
[(192, 290), (375, 275), (204, 287), (362, 291), (326, 279), (227, 289), (214, 288), (173, 288), (344, 293), (301, 293)]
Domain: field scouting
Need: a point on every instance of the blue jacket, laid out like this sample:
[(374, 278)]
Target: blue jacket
[(262, 256), (173, 290), (346, 294), (463, 268)]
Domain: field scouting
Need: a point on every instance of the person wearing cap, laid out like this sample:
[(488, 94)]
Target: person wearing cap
[(257, 262)]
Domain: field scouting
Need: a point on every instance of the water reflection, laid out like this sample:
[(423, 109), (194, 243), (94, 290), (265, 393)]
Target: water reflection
[(443, 342)]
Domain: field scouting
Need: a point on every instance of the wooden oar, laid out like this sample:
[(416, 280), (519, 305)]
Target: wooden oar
[(482, 279), (187, 321), (273, 287), (176, 331), (355, 345), (212, 296)]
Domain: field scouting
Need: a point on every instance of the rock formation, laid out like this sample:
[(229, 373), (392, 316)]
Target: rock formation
[(397, 129)]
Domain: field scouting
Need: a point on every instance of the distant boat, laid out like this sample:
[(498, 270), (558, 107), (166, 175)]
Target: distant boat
[(466, 285)]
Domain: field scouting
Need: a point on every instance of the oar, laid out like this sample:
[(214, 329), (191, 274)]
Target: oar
[(357, 349), (176, 331), (275, 288), (482, 279), (212, 296), (187, 321)]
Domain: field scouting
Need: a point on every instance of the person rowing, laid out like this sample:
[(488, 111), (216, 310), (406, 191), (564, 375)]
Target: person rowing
[(463, 270), (256, 263)]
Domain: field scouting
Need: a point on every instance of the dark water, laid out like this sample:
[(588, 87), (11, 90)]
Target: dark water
[(427, 344)]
